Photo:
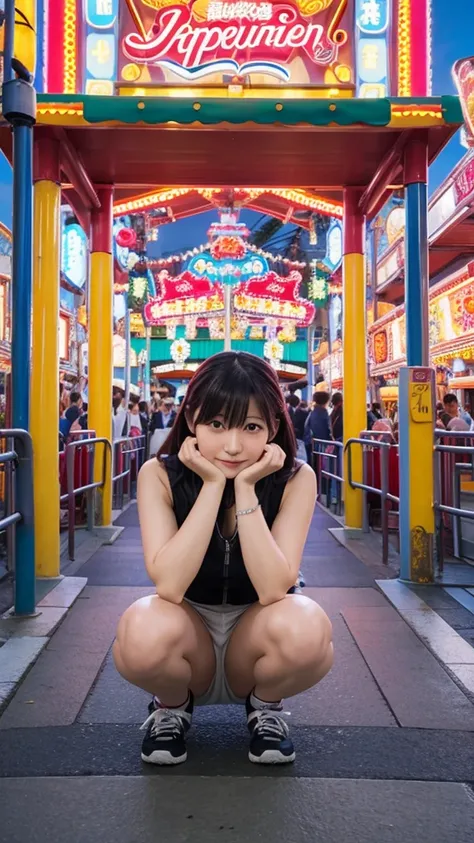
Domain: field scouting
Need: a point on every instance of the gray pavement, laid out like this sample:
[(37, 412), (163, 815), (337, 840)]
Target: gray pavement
[(385, 744)]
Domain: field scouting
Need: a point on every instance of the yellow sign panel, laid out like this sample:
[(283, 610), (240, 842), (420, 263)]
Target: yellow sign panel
[(421, 402)]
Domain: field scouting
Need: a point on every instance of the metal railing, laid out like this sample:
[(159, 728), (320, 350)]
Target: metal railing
[(329, 454), (18, 520), (369, 442), (448, 469), (129, 454), (86, 484)]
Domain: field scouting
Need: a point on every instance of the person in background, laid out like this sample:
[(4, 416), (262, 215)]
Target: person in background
[(336, 418), (384, 426), (83, 421), (466, 414), (317, 424), (134, 424), (119, 414), (162, 420), (144, 414), (450, 408), (439, 413), (458, 424), (298, 416), (70, 421), (164, 416), (376, 410)]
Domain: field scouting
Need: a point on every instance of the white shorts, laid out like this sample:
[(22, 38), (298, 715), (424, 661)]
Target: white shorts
[(220, 621)]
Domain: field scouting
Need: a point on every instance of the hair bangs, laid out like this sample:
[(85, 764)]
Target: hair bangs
[(229, 397)]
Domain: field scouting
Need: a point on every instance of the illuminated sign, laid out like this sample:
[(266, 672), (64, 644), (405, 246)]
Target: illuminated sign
[(334, 246), (297, 41), (372, 22), (463, 75), (372, 16), (101, 46), (74, 254)]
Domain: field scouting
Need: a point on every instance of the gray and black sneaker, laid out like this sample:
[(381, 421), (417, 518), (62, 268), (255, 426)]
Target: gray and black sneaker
[(166, 728), (270, 741)]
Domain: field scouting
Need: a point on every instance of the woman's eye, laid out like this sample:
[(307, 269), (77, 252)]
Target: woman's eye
[(216, 425), (252, 427)]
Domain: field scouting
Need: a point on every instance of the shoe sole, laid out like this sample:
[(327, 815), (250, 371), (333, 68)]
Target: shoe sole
[(272, 756), (164, 759)]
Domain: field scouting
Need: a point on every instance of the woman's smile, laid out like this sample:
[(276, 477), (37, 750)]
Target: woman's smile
[(232, 463)]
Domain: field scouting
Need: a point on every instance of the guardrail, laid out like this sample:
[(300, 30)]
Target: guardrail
[(368, 442), (454, 470), (329, 453), (18, 521), (83, 446), (129, 454)]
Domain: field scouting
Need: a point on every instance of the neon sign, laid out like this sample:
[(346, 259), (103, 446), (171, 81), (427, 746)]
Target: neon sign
[(297, 41)]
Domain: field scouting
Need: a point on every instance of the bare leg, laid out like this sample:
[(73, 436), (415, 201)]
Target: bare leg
[(164, 649), (279, 650)]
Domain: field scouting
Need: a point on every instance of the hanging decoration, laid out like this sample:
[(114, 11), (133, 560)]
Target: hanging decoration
[(273, 351), (126, 238), (180, 351), (318, 285)]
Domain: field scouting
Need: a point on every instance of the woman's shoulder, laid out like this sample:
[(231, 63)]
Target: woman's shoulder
[(302, 481), (153, 474)]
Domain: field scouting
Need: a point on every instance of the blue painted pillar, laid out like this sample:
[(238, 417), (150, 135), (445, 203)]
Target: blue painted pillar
[(416, 254), (19, 109), (22, 272), (416, 383)]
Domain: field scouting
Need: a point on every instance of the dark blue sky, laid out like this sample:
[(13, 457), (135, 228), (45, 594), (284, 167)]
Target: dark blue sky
[(453, 38)]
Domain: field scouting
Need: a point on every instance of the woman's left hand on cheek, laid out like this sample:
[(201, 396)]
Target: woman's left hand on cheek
[(272, 460)]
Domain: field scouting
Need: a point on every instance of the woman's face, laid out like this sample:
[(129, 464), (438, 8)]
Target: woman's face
[(236, 448)]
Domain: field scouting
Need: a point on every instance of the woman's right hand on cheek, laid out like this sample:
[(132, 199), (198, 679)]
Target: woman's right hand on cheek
[(193, 459)]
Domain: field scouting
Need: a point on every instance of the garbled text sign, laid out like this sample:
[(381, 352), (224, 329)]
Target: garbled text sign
[(298, 42)]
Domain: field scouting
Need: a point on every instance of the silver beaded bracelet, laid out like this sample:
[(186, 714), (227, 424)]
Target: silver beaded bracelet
[(247, 511)]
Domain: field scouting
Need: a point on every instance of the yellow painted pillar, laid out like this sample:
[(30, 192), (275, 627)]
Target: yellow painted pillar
[(354, 347), (44, 394), (101, 338)]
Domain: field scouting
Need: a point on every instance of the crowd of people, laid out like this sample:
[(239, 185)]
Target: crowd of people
[(322, 418), (450, 416)]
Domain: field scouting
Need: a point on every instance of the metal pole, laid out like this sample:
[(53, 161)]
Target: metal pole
[(310, 388), (22, 270), (147, 362), (25, 582), (416, 259), (228, 316), (127, 351), (384, 458), (19, 109), (329, 348)]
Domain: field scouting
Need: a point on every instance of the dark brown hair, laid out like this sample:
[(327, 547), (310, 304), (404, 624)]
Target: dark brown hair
[(224, 384)]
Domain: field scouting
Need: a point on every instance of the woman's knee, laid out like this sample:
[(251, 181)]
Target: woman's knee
[(149, 632), (301, 632)]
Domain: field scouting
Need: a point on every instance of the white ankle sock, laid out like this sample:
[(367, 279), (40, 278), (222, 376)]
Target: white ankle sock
[(182, 707), (257, 703)]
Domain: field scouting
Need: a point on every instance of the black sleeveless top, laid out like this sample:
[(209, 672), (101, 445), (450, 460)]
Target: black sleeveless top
[(222, 577)]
